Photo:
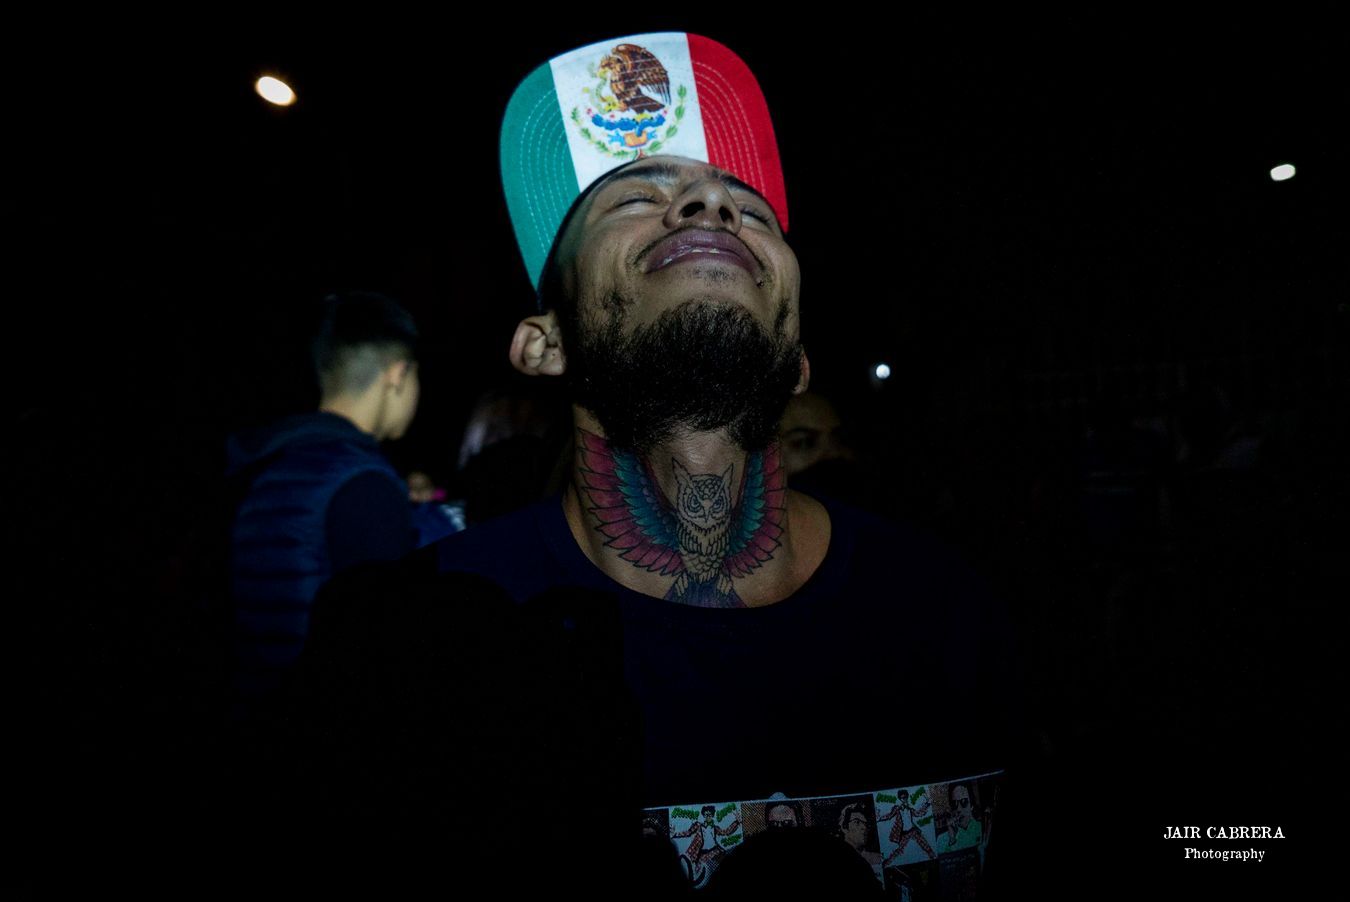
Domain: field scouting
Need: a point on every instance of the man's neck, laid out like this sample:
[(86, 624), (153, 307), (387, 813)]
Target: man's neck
[(698, 520), (356, 410)]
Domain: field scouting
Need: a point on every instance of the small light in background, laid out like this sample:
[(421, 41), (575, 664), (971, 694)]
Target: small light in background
[(883, 371), (274, 90), (1282, 172)]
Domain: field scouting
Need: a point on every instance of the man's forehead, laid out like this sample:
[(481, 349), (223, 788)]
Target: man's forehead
[(663, 170), (669, 170)]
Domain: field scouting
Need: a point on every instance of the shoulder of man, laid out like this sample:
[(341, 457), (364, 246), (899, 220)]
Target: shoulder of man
[(514, 550), (313, 431), (934, 601), (913, 554), (369, 518)]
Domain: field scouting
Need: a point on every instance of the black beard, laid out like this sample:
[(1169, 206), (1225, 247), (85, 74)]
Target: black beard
[(701, 367)]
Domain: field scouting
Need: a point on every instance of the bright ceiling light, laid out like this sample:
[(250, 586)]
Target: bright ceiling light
[(274, 90)]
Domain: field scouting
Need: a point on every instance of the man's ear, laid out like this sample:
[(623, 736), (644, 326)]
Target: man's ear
[(805, 379), (536, 348), (395, 375)]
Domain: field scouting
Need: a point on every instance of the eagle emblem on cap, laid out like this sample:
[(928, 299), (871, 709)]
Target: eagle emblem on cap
[(633, 72), (628, 110)]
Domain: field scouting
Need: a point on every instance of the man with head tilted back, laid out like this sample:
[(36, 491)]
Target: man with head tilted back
[(758, 626), (676, 320)]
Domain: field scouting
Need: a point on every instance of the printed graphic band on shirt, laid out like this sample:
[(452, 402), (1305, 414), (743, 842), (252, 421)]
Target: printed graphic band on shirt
[(936, 843)]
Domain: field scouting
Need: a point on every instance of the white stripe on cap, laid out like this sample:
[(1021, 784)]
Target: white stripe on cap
[(574, 83)]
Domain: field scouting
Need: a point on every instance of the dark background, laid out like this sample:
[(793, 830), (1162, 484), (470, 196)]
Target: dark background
[(1061, 235)]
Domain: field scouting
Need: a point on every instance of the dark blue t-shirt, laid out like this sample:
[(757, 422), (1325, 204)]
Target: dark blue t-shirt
[(886, 669)]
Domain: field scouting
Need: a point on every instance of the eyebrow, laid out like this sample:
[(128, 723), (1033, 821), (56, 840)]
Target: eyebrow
[(666, 173)]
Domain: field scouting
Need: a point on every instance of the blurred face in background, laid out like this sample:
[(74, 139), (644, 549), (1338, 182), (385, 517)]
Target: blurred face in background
[(810, 432), (420, 488), (401, 394)]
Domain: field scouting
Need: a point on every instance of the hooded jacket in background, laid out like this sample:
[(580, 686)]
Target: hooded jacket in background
[(319, 497)]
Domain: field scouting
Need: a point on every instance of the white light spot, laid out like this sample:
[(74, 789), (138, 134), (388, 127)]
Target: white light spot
[(1282, 172), (274, 90), (883, 371)]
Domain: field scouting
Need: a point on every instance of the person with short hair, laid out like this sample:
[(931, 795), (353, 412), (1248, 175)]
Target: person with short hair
[(317, 495)]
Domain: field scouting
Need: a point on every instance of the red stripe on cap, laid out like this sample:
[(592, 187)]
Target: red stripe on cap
[(736, 124)]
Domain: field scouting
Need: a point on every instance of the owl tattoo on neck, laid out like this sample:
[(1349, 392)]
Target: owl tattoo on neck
[(707, 536), (703, 523)]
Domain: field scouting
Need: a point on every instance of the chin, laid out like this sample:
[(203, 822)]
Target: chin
[(702, 296)]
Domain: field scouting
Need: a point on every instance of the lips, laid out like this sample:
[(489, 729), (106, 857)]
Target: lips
[(702, 245)]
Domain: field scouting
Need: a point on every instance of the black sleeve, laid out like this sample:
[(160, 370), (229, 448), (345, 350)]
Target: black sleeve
[(369, 519)]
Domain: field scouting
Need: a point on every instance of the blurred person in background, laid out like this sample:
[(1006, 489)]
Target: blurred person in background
[(811, 432), (316, 494)]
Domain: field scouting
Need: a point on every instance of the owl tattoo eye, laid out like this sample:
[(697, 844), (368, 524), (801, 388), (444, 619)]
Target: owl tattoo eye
[(704, 497)]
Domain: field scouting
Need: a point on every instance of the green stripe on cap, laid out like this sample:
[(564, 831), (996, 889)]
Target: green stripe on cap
[(537, 171)]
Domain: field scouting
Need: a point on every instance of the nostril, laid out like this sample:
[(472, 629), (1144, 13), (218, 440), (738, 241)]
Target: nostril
[(727, 215), (691, 209)]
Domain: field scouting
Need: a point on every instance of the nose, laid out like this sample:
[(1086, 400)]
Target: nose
[(704, 204)]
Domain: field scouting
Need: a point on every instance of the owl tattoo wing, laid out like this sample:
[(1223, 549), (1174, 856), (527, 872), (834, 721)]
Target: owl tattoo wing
[(635, 518), (757, 521), (703, 544)]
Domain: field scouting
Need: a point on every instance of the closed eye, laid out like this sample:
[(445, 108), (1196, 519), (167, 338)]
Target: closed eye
[(640, 199)]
